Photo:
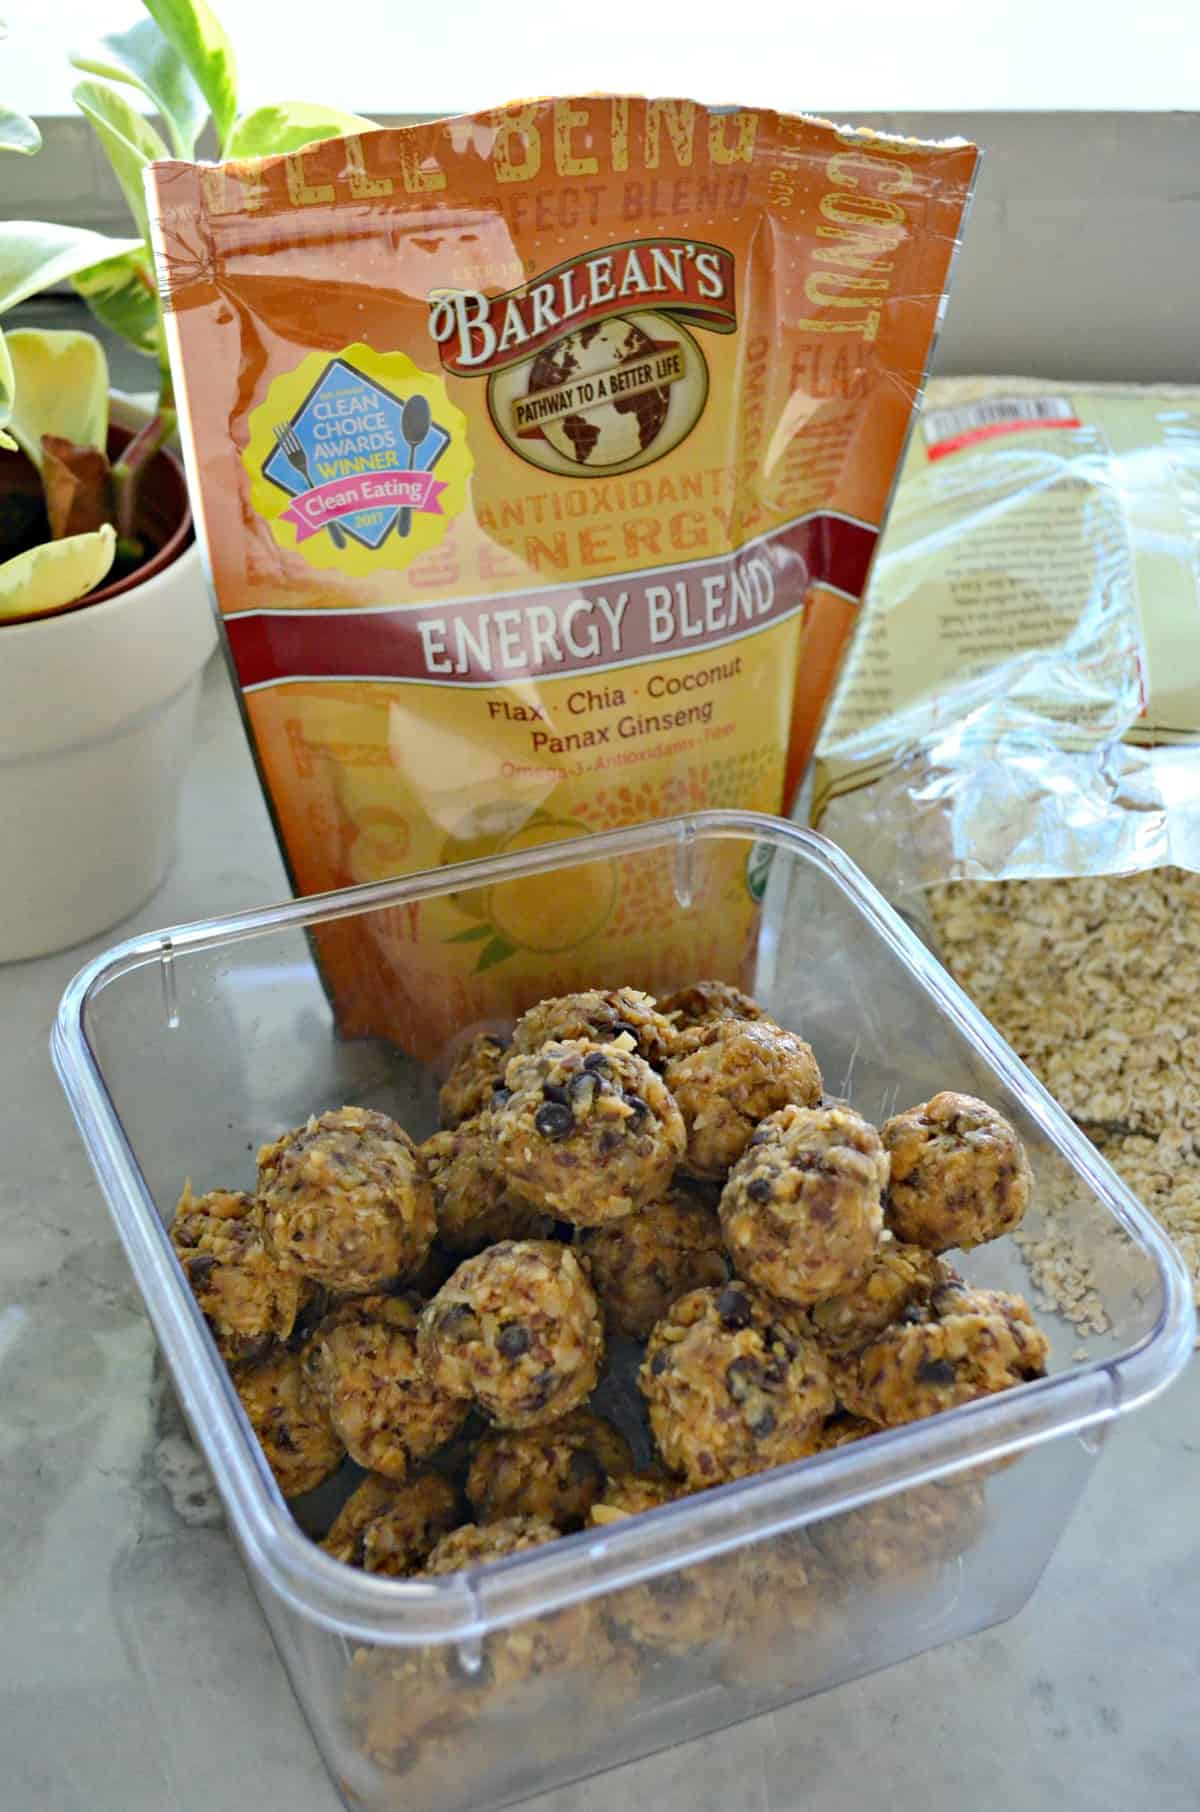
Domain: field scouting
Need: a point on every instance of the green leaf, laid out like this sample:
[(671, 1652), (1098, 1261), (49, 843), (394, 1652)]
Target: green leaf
[(142, 57), (471, 934), (36, 254), (18, 133), (129, 140), (8, 384), (498, 951), (194, 33), (57, 573), (290, 126), (122, 294), (61, 385)]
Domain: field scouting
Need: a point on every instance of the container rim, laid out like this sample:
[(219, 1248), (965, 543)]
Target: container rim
[(463, 1607)]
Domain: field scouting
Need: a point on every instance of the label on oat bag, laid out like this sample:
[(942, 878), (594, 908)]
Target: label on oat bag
[(539, 458), (1024, 699)]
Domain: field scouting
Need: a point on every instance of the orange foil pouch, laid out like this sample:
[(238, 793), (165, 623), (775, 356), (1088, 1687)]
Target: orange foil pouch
[(539, 458)]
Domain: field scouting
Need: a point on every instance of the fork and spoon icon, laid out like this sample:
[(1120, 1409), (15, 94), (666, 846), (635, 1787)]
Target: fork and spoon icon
[(415, 421)]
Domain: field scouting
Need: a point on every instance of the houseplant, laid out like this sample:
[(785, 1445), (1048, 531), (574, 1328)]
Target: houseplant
[(104, 622)]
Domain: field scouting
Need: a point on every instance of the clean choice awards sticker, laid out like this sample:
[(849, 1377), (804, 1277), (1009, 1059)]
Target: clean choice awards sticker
[(358, 460)]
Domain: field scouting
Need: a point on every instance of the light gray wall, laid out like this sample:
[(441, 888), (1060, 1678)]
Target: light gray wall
[(1081, 257)]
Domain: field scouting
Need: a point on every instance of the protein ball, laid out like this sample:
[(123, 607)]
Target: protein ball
[(734, 1384), (588, 1131), (897, 1277), (695, 1010), (407, 1709), (549, 1647), (389, 1528), (786, 1617), (802, 1211), (346, 1200), (960, 1175), (678, 1612), (476, 1075), (555, 1473), (971, 1343), (247, 1300), (682, 1611), (291, 1422), (902, 1535), (643, 1263), (630, 1494), (598, 1015), (742, 1072), (476, 1545), (474, 1205), (518, 1330), (389, 1413)]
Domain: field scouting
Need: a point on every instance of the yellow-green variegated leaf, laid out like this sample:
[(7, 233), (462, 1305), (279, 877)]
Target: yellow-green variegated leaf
[(199, 38), (60, 384), (130, 141), (7, 386), (142, 57), (18, 132), (289, 126), (121, 293), (55, 574), (36, 254)]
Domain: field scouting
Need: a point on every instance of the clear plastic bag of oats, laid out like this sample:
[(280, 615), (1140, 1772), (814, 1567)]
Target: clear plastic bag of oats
[(1013, 750)]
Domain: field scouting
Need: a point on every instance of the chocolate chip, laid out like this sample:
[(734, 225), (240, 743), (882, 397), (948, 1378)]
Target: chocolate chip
[(513, 1340), (774, 1372), (741, 1377), (733, 1306), (597, 1062), (456, 1318), (765, 1424), (640, 1108), (200, 1269), (552, 1091), (610, 1140), (283, 1439), (622, 1026), (497, 1044), (582, 1089), (501, 1096), (659, 1364), (759, 1189), (554, 1120), (936, 1371)]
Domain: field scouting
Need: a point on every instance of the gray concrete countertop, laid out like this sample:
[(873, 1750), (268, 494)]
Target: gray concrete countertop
[(137, 1675)]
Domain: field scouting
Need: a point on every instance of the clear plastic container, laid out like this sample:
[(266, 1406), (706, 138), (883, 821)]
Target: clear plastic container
[(180, 1053)]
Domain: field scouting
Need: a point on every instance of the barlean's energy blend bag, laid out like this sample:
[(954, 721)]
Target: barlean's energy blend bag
[(539, 457)]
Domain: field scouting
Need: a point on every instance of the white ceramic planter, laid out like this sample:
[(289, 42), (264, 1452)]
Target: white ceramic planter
[(97, 709)]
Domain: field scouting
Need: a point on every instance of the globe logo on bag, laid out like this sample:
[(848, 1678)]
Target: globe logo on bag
[(591, 368)]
